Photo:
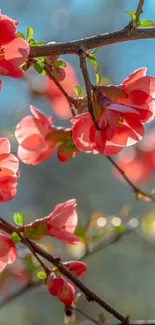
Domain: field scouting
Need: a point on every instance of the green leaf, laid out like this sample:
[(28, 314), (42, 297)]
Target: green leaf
[(19, 34), (132, 15), (78, 91), (39, 67), (32, 42), (94, 50), (41, 275), (120, 229), (29, 263), (59, 63), (98, 78), (39, 43), (15, 238), (146, 23), (18, 219), (93, 61), (80, 232), (30, 33)]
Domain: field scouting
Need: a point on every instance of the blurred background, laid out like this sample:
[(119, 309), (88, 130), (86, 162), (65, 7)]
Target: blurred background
[(123, 273)]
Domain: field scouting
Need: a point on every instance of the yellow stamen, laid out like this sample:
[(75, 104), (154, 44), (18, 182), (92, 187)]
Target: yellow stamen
[(2, 53), (121, 119)]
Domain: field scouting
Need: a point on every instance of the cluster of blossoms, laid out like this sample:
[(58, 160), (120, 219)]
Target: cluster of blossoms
[(14, 50), (60, 224), (120, 111)]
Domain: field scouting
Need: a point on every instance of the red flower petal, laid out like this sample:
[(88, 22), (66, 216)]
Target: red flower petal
[(134, 76)]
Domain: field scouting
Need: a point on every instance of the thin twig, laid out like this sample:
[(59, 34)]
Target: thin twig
[(139, 9), (72, 102), (58, 84), (89, 294), (83, 66), (26, 242), (136, 189)]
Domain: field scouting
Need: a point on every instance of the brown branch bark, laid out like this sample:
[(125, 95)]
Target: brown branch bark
[(73, 47), (83, 66)]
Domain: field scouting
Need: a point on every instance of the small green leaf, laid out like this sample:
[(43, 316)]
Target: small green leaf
[(146, 23), (32, 42), (41, 275), (120, 229), (94, 50), (30, 33), (98, 78), (19, 34), (15, 238), (80, 232), (59, 63), (132, 15), (101, 317), (39, 43), (29, 263), (93, 61), (39, 67), (78, 91), (18, 219)]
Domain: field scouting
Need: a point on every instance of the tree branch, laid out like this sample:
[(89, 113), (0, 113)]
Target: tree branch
[(139, 10), (87, 43), (89, 294)]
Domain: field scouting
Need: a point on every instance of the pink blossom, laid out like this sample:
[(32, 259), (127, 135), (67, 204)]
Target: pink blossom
[(8, 252)]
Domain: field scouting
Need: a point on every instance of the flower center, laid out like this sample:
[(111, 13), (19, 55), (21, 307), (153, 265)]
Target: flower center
[(121, 119), (2, 53)]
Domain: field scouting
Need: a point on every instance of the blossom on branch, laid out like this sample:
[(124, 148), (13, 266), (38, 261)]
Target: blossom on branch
[(13, 50), (31, 133), (78, 268), (8, 252), (38, 138), (9, 174), (62, 289), (60, 224), (120, 112)]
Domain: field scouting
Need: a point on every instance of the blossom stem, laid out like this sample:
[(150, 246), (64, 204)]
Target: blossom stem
[(72, 102), (83, 66), (136, 189)]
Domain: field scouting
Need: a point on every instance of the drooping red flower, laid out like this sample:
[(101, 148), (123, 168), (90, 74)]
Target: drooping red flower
[(62, 289), (8, 252), (121, 115), (138, 91), (9, 174), (13, 50), (31, 133), (78, 268), (60, 224), (119, 127), (59, 103)]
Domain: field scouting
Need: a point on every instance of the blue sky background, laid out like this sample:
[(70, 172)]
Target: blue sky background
[(88, 178)]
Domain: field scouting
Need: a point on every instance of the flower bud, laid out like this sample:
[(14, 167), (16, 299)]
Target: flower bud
[(59, 73), (62, 289), (76, 267)]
